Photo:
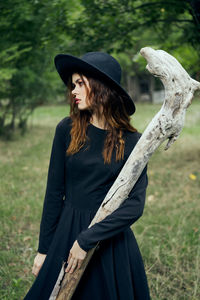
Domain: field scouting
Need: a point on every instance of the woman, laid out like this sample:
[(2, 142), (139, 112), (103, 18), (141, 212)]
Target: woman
[(89, 149)]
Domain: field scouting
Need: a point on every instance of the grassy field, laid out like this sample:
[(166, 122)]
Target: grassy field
[(167, 233)]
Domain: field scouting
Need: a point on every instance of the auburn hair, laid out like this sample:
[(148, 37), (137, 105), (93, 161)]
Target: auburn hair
[(116, 117)]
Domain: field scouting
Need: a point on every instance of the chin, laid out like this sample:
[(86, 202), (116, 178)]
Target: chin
[(83, 108)]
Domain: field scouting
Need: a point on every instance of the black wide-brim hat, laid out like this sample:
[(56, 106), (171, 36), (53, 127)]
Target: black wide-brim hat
[(99, 65)]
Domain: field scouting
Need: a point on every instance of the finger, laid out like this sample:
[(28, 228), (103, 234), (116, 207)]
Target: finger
[(69, 265), (79, 264), (73, 267), (35, 274), (69, 257), (34, 271)]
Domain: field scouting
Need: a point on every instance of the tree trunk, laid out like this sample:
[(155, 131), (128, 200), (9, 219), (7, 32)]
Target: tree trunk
[(167, 124)]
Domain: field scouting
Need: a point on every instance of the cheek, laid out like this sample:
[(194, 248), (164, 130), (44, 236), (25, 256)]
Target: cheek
[(83, 92), (85, 95)]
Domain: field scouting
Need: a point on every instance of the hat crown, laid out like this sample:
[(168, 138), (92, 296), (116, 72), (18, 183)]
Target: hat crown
[(105, 63)]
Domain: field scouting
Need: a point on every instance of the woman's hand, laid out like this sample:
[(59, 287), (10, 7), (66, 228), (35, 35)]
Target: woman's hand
[(75, 258), (38, 262)]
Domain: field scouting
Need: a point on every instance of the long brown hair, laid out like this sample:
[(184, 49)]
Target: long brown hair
[(114, 112)]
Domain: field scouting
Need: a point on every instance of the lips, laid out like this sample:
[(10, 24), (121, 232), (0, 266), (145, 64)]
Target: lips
[(77, 100)]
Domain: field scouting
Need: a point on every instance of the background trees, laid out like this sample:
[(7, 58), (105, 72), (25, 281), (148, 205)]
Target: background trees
[(29, 36), (33, 32)]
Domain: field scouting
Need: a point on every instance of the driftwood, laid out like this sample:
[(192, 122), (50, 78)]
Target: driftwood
[(166, 125)]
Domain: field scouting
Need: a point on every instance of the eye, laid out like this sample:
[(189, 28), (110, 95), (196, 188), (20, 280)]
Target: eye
[(80, 83), (73, 86)]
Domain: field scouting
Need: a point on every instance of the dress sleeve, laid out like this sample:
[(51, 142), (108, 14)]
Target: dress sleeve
[(55, 190), (125, 215)]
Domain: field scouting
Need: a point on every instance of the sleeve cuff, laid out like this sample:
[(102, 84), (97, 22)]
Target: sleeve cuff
[(42, 250), (82, 245), (86, 246)]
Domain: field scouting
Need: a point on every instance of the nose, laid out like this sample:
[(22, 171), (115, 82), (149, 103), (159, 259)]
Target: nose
[(75, 91)]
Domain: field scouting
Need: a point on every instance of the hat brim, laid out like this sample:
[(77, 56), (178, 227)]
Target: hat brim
[(67, 64)]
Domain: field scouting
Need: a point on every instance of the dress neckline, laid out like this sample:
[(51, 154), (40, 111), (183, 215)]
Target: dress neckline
[(97, 128)]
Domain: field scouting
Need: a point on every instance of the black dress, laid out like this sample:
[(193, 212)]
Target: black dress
[(76, 186)]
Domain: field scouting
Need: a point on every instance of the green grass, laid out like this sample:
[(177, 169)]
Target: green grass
[(167, 233)]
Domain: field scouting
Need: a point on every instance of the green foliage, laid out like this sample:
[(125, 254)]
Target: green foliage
[(103, 23), (33, 32), (122, 28), (29, 31)]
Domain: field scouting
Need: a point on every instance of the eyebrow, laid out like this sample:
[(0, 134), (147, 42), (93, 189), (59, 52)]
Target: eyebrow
[(77, 80)]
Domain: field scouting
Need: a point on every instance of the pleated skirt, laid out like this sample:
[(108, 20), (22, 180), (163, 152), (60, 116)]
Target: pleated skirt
[(115, 271)]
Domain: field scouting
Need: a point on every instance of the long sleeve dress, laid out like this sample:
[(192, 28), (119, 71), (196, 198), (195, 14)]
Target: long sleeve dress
[(76, 186)]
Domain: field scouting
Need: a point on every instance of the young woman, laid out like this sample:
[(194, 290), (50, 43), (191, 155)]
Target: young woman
[(89, 149)]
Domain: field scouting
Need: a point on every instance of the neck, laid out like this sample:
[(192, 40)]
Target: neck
[(98, 122)]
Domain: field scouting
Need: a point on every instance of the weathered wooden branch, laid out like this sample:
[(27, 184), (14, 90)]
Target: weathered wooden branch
[(166, 125)]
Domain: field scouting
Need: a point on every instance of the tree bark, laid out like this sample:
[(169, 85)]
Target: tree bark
[(166, 125)]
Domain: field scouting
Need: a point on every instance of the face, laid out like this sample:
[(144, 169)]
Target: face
[(79, 90)]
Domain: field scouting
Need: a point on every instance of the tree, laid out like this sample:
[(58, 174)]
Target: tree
[(115, 20), (31, 34)]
